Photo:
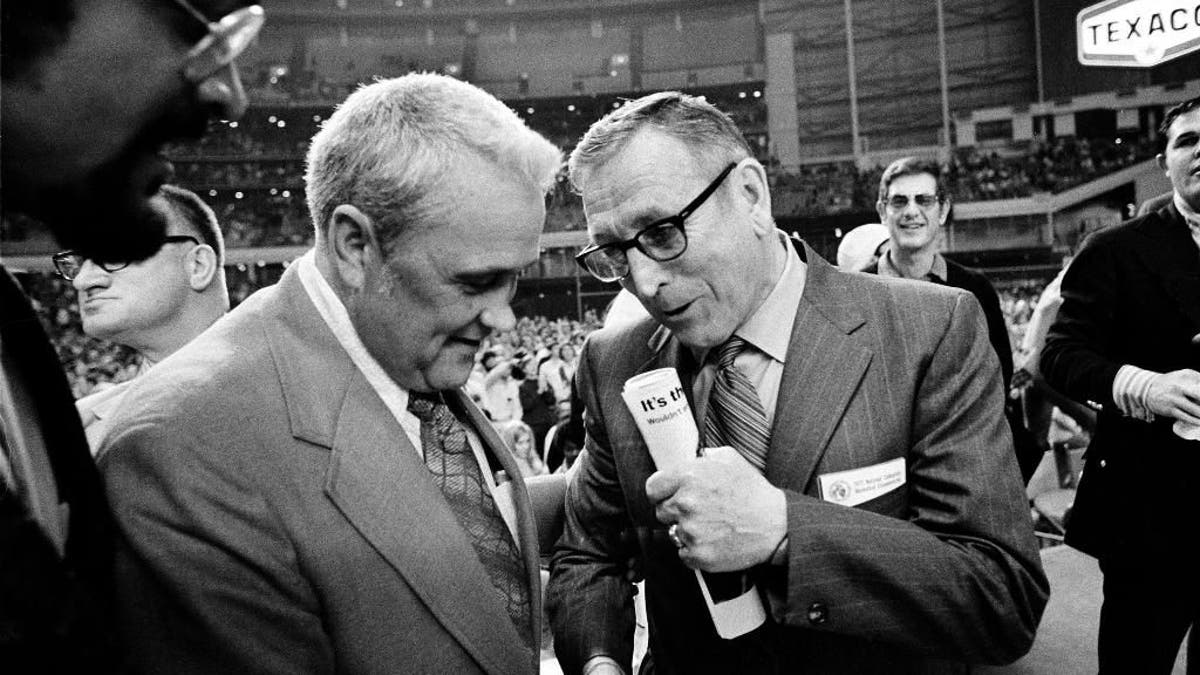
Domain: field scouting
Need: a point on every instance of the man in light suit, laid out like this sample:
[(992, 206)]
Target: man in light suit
[(1127, 342), (156, 305), (305, 488), (936, 565)]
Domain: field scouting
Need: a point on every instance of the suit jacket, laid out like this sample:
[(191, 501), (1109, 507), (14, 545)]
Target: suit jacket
[(945, 567), (275, 518), (1132, 295), (54, 609), (96, 410), (1028, 451)]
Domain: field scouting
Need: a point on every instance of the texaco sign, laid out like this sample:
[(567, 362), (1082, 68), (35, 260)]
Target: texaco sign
[(1138, 33)]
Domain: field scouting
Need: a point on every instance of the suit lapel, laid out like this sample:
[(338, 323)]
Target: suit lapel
[(1173, 251), (822, 372), (380, 484), (377, 479)]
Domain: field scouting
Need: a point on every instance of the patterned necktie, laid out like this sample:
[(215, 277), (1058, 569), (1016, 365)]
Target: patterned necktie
[(735, 414), (452, 463)]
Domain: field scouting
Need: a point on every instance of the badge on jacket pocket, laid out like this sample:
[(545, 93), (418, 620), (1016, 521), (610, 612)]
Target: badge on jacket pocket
[(855, 486)]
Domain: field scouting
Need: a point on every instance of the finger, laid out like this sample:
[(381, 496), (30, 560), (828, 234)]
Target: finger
[(662, 484)]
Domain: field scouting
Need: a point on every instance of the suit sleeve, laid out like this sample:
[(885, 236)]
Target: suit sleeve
[(1074, 360), (589, 597), (206, 575), (959, 575)]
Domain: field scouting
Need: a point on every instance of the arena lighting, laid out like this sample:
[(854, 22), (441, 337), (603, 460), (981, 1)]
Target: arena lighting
[(287, 193), (212, 193), (238, 195), (272, 119), (281, 124), (233, 125), (529, 111)]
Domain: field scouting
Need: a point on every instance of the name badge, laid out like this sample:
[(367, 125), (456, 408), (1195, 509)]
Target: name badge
[(855, 486)]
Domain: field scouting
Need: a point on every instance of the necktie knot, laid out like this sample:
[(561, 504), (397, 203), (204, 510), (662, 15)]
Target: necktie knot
[(423, 404), (729, 350)]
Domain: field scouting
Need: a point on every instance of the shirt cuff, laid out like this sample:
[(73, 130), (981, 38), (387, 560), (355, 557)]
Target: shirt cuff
[(1129, 392)]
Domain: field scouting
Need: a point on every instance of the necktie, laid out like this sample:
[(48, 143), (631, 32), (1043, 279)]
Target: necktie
[(735, 415), (455, 470)]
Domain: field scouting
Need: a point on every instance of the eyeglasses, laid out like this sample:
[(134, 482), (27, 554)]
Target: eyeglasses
[(68, 263), (226, 40), (925, 201), (662, 240)]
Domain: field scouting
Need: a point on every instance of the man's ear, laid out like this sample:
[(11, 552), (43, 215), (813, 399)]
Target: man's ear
[(1161, 159), (946, 206), (202, 267), (351, 236), (754, 189)]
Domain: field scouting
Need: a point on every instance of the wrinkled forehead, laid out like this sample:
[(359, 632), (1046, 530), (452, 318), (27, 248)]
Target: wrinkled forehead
[(652, 177), (913, 184)]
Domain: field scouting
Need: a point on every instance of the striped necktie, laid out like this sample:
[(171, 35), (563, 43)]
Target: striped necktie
[(735, 414), (456, 472)]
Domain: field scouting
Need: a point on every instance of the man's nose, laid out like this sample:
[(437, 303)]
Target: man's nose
[(646, 275), (90, 275), (499, 317), (223, 91)]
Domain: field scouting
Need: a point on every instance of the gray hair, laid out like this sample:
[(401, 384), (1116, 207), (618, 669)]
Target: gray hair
[(709, 134), (387, 147)]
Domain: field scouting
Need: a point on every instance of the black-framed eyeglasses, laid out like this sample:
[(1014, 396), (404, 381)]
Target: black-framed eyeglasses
[(68, 263), (227, 38), (664, 239), (925, 201)]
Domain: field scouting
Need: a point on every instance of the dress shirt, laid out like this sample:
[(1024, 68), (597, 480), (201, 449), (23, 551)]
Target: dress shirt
[(937, 271), (1132, 384), (768, 331), (394, 397)]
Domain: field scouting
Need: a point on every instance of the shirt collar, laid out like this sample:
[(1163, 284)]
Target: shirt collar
[(769, 328), (1189, 214), (331, 309), (937, 271)]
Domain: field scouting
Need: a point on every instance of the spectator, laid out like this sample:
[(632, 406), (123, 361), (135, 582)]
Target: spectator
[(156, 305)]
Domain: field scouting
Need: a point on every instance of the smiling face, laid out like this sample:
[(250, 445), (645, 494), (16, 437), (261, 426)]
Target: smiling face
[(728, 267), (1181, 158), (84, 124), (424, 313), (913, 228)]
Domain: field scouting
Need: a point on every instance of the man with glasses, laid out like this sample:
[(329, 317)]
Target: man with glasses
[(852, 463), (914, 206), (156, 305), (90, 91)]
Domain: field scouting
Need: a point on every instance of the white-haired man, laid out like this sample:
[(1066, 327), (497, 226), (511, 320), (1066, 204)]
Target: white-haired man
[(156, 305), (305, 488)]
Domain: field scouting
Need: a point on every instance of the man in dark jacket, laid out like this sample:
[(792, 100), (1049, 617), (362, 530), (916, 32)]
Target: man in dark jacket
[(1127, 342), (914, 206), (91, 92)]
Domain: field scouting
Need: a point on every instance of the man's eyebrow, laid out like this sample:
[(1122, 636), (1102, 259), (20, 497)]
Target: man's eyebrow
[(1189, 135)]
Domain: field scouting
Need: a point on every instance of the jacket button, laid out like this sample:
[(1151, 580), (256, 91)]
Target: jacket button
[(817, 613)]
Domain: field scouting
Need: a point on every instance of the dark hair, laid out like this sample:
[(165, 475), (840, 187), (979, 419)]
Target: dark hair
[(1164, 129), (30, 31), (911, 166), (188, 206)]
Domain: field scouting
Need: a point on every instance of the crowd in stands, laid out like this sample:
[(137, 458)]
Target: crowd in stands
[(92, 363)]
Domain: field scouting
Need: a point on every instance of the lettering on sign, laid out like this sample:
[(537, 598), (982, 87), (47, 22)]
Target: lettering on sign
[(1137, 33)]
